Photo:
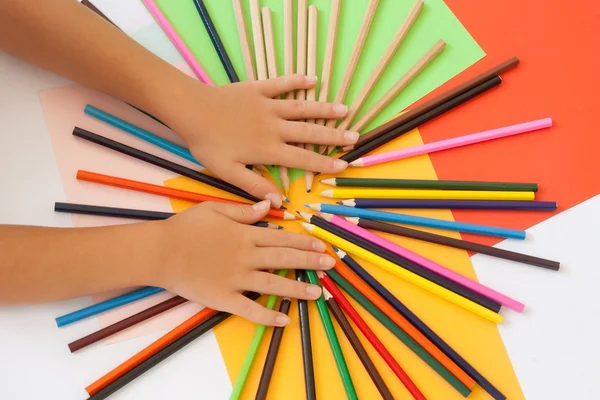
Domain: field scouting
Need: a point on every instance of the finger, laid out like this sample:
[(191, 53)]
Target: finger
[(296, 157), (302, 109), (302, 132), (245, 214), (264, 282), (252, 183), (292, 240), (286, 258), (275, 87), (246, 308)]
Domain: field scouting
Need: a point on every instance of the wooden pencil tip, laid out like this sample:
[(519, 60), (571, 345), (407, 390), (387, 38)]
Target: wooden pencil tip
[(305, 216), (327, 193), (326, 216)]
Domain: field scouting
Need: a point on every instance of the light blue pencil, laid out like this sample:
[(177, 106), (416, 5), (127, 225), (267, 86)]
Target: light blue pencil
[(107, 305), (418, 221), (140, 133)]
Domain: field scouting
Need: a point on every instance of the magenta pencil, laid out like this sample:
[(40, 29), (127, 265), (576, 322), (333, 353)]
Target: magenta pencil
[(425, 262), (177, 41), (453, 143)]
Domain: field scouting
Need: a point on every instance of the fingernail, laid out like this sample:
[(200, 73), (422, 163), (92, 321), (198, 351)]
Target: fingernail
[(313, 291), (274, 198), (340, 164), (311, 79), (326, 261), (319, 247), (282, 320), (351, 137), (262, 206), (341, 109)]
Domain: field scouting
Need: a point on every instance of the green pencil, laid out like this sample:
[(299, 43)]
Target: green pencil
[(333, 340), (432, 184), (238, 387), (398, 332)]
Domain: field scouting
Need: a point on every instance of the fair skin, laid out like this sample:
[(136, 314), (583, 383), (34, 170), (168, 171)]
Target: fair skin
[(213, 254)]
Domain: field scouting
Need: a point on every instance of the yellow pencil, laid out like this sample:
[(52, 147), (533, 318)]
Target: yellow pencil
[(402, 273), (418, 194)]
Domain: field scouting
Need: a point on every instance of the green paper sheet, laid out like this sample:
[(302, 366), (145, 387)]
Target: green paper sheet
[(435, 22)]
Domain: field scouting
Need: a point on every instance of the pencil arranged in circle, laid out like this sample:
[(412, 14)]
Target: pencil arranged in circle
[(330, 45), (452, 204), (288, 68), (431, 184), (259, 332), (456, 243), (395, 309), (333, 340), (453, 143), (371, 337), (126, 323), (158, 190), (437, 101), (421, 119), (301, 44), (216, 41), (168, 29), (389, 53), (425, 194), (244, 41), (107, 305), (359, 349), (306, 343), (311, 70), (267, 373), (158, 351), (419, 221), (259, 41)]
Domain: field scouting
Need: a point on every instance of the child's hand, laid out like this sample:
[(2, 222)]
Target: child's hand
[(231, 126), (213, 255)]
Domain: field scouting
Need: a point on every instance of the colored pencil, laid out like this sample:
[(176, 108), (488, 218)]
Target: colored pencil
[(216, 41), (166, 26), (425, 194), (426, 263), (452, 204), (259, 332), (352, 63), (437, 101), (95, 9), (413, 271), (311, 70), (288, 67), (453, 143), (359, 349), (107, 305), (333, 340), (140, 133), (408, 276), (421, 119), (394, 306), (168, 192), (259, 41), (419, 221), (385, 59), (456, 243), (393, 321), (301, 44), (371, 337), (399, 86), (267, 373), (243, 39), (306, 342), (431, 184), (330, 45), (158, 351), (126, 323), (161, 162)]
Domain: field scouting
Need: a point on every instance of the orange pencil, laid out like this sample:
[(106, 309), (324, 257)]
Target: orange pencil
[(168, 192)]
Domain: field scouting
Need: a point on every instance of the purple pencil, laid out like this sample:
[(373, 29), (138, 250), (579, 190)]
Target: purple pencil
[(452, 204)]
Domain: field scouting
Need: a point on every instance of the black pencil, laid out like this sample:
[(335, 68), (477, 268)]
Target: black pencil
[(307, 358), (216, 41), (267, 373)]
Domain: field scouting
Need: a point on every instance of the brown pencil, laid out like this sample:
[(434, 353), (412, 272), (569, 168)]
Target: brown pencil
[(259, 41), (311, 70), (332, 30), (288, 67), (301, 44), (244, 42)]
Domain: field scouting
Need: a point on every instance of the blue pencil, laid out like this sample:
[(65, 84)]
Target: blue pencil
[(418, 221), (107, 305), (140, 133)]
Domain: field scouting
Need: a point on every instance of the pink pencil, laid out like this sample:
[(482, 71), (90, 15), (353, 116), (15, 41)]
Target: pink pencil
[(425, 262), (177, 41), (452, 143)]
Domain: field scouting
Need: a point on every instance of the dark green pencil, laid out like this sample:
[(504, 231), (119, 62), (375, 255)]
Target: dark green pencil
[(432, 184)]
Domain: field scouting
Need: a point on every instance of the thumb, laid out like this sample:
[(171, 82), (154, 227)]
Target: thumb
[(242, 213), (254, 184)]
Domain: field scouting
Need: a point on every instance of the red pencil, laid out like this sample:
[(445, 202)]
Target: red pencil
[(330, 288)]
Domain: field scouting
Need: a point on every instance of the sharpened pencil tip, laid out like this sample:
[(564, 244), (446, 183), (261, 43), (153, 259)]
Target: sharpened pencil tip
[(307, 190), (341, 203), (280, 227), (335, 249), (282, 207), (305, 216)]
